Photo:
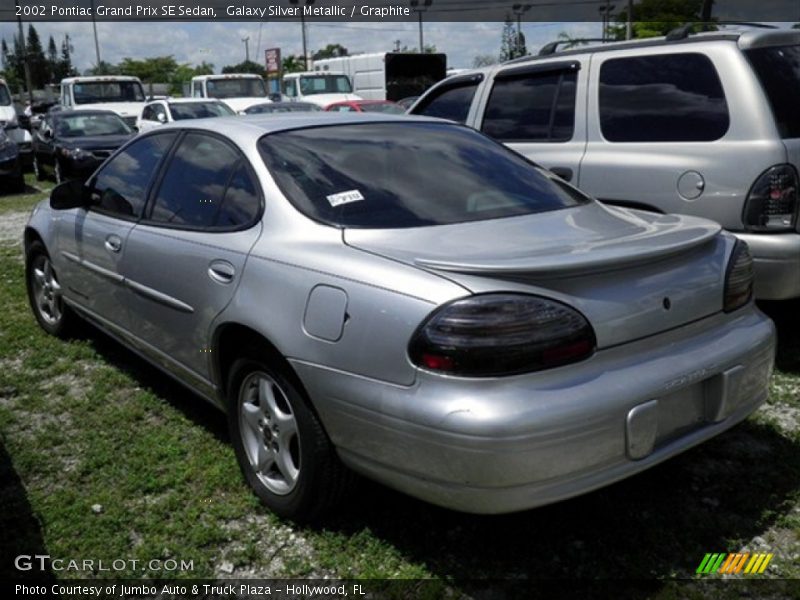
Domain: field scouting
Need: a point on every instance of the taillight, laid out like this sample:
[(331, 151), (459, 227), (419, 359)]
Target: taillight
[(739, 278), (501, 334), (772, 203)]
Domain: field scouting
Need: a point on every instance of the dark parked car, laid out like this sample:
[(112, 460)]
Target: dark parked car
[(11, 178), (72, 144), (281, 107)]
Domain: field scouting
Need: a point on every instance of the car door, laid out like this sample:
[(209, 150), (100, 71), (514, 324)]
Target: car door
[(44, 144), (91, 241), (532, 108), (184, 259)]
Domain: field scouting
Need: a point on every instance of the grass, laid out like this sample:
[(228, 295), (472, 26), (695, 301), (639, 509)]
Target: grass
[(103, 457), (35, 191)]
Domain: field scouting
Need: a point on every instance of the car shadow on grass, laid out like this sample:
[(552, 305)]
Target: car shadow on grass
[(786, 315), (656, 525), (22, 532)]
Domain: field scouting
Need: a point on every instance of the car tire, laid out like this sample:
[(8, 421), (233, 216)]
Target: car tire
[(18, 185), (44, 293), (37, 169), (280, 444), (59, 176)]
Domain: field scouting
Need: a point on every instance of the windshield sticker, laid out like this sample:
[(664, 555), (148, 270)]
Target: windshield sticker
[(345, 197)]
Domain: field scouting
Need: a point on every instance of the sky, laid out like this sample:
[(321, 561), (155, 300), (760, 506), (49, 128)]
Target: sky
[(220, 43)]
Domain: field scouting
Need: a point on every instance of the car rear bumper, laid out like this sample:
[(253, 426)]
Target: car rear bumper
[(507, 444), (777, 263), (10, 167)]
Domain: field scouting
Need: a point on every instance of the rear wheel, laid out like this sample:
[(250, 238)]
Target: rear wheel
[(282, 449), (57, 172), (44, 293)]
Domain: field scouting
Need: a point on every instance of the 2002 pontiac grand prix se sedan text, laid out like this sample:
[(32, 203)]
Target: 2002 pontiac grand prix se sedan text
[(407, 299)]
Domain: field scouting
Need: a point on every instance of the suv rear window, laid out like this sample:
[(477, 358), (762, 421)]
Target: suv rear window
[(393, 175), (662, 98), (778, 69)]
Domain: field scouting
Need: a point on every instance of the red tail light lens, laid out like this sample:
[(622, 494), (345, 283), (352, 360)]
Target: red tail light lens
[(501, 334), (739, 278), (772, 203)]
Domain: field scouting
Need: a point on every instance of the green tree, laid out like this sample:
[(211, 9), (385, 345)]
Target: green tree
[(52, 59), (40, 71), (65, 68), (247, 66), (103, 68), (653, 18), (330, 51), (158, 69), (510, 45), (183, 75), (292, 64)]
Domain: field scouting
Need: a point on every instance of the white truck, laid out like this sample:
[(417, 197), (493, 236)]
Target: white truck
[(388, 75), (10, 122), (237, 90), (121, 94), (318, 88)]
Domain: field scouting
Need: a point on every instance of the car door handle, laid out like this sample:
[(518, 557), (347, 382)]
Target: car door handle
[(221, 271), (564, 172), (113, 243)]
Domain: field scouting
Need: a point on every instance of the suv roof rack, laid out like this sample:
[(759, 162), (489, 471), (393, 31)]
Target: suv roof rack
[(551, 47)]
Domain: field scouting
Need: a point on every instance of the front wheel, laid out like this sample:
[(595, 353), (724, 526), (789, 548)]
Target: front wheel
[(44, 293), (282, 449)]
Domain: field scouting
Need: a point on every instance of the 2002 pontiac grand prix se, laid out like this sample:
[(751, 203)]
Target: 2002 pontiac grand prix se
[(404, 298)]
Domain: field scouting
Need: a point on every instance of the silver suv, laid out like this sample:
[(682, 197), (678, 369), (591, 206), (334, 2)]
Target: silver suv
[(704, 124)]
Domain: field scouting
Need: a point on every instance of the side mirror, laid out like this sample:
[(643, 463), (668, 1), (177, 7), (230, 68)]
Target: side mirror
[(162, 118), (70, 194)]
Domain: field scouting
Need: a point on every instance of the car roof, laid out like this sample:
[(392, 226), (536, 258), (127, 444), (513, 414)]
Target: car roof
[(187, 100), (261, 124), (87, 78), (82, 112)]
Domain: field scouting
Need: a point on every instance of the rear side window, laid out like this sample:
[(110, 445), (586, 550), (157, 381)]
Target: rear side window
[(450, 102), (533, 107), (778, 69), (664, 98), (206, 186)]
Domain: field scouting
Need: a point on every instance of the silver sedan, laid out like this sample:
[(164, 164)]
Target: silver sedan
[(405, 299)]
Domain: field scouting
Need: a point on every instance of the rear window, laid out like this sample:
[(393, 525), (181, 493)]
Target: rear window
[(393, 175), (662, 98), (778, 69)]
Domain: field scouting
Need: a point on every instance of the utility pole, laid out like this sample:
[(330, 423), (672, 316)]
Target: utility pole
[(303, 29), (246, 41), (519, 9), (96, 43), (629, 25), (605, 12), (24, 48), (415, 7)]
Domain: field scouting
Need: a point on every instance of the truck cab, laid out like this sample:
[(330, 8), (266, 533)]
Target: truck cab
[(318, 88), (10, 123), (238, 90), (120, 94)]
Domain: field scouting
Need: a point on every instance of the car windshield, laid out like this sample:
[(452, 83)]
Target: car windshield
[(199, 110), (5, 97), (90, 125), (393, 175), (236, 88), (108, 91), (388, 107), (778, 68), (324, 84)]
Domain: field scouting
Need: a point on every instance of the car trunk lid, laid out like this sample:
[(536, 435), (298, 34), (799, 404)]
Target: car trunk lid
[(632, 274)]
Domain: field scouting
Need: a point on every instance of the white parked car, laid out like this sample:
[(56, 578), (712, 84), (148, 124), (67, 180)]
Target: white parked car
[(158, 112)]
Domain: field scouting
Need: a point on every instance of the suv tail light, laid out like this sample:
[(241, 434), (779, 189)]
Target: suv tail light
[(501, 334), (772, 202), (739, 278)]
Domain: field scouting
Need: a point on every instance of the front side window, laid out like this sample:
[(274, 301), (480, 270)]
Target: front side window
[(662, 98), (245, 87), (108, 91), (449, 103), (407, 174), (120, 188), (778, 69), (324, 84), (532, 107), (206, 185)]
